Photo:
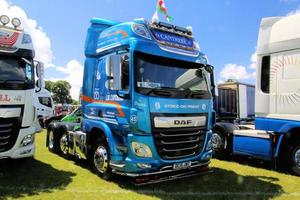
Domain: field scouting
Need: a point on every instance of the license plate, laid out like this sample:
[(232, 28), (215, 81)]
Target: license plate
[(184, 165)]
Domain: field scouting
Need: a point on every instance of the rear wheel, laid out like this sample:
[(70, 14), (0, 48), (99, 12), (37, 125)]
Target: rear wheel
[(64, 144), (53, 141), (100, 159)]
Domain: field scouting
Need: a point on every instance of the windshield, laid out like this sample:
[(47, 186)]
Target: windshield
[(16, 73), (159, 76)]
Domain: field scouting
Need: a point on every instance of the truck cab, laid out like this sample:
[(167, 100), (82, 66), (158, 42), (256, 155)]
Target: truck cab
[(17, 91), (44, 106), (146, 101), (275, 136)]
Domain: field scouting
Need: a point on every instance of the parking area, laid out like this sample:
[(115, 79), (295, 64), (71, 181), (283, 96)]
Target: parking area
[(49, 176)]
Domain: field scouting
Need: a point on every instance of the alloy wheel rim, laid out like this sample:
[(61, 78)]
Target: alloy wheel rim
[(216, 141), (51, 140), (101, 159), (64, 144), (297, 157)]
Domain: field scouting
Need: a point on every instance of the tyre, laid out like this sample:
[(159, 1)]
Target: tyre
[(295, 160), (219, 142), (100, 158), (64, 145), (53, 141)]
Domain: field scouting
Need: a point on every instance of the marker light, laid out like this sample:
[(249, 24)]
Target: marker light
[(4, 19), (16, 22), (141, 30), (190, 30)]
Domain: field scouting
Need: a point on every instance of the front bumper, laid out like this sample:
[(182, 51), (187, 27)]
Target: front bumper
[(20, 152), (167, 173)]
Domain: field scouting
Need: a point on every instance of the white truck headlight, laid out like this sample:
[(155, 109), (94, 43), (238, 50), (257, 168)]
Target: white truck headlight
[(27, 140), (141, 150)]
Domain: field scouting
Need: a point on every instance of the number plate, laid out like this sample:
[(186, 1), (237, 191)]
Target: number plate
[(179, 166)]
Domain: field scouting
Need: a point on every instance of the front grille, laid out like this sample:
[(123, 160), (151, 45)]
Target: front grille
[(178, 143), (9, 130)]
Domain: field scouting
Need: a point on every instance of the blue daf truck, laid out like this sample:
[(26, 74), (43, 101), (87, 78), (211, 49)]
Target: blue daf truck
[(146, 101)]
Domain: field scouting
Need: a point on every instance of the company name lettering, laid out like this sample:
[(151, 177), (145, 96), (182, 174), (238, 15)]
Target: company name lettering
[(4, 98), (182, 106), (182, 122), (174, 39)]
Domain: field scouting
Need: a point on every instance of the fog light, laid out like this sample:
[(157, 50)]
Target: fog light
[(27, 140), (141, 150), (144, 165)]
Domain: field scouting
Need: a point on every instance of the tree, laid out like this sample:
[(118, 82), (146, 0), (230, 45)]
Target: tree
[(49, 85), (60, 91)]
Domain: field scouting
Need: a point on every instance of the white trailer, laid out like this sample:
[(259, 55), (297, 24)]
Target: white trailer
[(17, 91)]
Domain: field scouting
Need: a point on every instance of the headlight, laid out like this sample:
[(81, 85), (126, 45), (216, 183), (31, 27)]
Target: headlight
[(141, 30), (141, 150), (16, 22), (4, 19), (27, 140)]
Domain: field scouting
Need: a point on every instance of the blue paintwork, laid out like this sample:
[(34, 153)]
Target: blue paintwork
[(252, 146), (264, 148), (276, 125), (105, 37)]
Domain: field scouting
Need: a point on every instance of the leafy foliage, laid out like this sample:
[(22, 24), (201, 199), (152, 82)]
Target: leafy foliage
[(60, 91)]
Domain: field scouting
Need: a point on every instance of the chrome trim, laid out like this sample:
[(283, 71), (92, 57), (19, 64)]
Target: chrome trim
[(183, 149), (179, 135), (117, 165), (3, 137), (180, 142), (5, 125), (157, 172), (182, 156), (6, 131)]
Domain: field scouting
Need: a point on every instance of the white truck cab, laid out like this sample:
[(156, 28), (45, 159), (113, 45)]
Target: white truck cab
[(17, 91), (44, 105)]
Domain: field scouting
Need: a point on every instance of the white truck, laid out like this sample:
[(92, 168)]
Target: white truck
[(17, 90), (276, 134), (44, 106)]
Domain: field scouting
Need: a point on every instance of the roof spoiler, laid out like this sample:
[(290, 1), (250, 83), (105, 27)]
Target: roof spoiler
[(97, 26)]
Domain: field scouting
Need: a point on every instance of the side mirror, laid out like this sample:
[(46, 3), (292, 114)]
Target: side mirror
[(123, 94), (39, 68), (214, 88)]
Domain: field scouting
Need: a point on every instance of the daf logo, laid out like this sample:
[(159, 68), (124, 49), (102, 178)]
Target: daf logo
[(182, 122), (157, 105)]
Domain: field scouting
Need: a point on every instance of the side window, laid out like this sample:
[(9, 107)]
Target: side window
[(46, 101), (265, 74), (117, 70)]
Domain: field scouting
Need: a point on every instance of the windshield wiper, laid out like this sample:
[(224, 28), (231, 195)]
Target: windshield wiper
[(159, 89), (191, 93)]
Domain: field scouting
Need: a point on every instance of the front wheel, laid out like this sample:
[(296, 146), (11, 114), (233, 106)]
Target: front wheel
[(295, 166), (100, 159), (220, 144), (218, 141)]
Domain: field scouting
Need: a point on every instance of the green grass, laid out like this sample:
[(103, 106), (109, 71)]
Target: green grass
[(49, 176)]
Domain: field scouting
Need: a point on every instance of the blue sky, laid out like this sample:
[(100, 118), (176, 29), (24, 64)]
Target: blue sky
[(226, 29)]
